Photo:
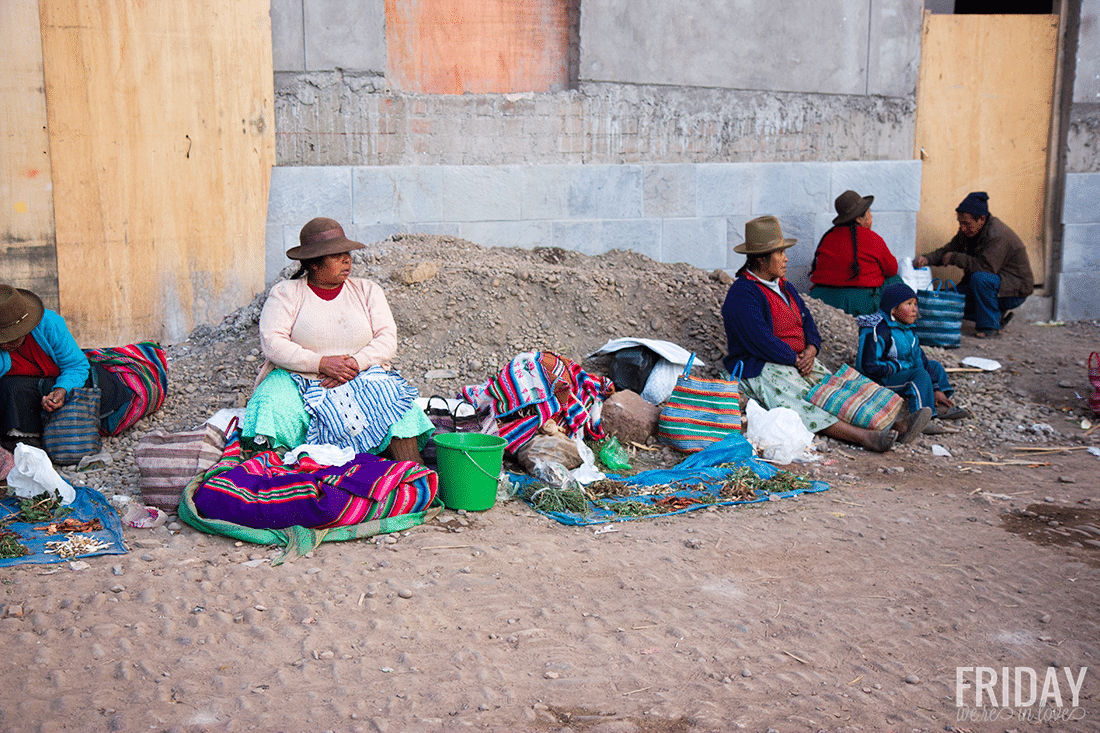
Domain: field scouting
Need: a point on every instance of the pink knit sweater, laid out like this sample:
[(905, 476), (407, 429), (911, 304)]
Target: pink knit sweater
[(297, 328)]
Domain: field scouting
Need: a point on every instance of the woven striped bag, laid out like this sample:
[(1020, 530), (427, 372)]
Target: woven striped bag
[(700, 411), (168, 461), (941, 314), (72, 432), (856, 400)]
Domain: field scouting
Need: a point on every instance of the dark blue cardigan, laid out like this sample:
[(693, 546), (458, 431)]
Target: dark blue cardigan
[(750, 335)]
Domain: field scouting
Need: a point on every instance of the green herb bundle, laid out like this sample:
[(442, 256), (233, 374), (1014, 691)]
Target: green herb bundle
[(41, 508), (10, 545)]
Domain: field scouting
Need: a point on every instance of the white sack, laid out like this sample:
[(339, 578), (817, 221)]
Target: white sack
[(33, 473), (777, 435)]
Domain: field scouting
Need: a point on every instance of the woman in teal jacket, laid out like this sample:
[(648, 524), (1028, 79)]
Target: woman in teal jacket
[(40, 364)]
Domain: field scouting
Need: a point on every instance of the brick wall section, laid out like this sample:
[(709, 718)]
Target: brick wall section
[(341, 118)]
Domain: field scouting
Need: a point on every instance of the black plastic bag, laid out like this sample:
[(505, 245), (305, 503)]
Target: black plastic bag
[(630, 367)]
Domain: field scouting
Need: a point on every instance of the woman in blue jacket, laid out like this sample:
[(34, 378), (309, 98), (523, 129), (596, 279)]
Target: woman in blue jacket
[(40, 364)]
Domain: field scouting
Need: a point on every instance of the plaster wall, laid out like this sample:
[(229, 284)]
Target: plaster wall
[(825, 47)]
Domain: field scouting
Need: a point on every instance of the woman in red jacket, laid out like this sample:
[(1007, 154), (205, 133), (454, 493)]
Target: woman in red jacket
[(852, 264)]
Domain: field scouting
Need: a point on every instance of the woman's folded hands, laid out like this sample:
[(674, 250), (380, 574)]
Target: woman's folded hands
[(336, 370)]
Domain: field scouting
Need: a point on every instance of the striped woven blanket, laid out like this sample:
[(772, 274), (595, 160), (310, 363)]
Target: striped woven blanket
[(523, 396), (263, 493), (143, 368)]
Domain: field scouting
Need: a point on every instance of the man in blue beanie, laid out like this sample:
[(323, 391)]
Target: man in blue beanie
[(997, 271)]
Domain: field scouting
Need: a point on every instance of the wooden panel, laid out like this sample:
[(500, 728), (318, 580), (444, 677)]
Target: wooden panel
[(160, 122), (983, 123), (479, 46), (27, 255)]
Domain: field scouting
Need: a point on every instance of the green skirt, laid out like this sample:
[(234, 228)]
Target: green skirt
[(276, 418), (855, 301)]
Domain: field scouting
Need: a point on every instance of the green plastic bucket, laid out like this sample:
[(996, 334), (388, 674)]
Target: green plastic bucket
[(469, 466)]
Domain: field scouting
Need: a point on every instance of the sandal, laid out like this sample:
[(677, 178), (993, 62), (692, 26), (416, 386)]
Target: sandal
[(987, 334), (917, 422), (956, 413), (935, 429)]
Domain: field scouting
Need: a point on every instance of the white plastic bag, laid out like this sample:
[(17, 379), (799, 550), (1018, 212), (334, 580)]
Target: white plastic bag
[(33, 473), (917, 278), (777, 435), (587, 472), (662, 379)]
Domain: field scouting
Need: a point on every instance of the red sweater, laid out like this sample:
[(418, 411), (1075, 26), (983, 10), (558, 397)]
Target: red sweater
[(834, 259), (786, 319)]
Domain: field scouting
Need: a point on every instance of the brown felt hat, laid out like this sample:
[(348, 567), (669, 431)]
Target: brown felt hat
[(320, 237), (850, 206), (762, 236), (20, 311)]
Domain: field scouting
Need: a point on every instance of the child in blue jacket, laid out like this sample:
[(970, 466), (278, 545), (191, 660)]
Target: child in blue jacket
[(890, 354)]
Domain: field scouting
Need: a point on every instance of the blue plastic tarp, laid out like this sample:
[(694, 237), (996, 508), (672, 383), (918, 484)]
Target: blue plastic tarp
[(700, 471), (89, 504)]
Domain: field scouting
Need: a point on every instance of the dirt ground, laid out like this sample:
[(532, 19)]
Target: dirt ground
[(846, 610)]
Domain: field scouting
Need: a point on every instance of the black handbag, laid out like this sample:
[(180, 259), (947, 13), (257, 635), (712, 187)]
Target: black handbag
[(446, 421)]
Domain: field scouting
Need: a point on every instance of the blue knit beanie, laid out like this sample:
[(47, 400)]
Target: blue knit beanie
[(976, 204), (894, 295)]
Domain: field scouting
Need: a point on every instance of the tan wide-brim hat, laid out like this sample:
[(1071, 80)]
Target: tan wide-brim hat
[(850, 206), (20, 311), (320, 237), (763, 235)]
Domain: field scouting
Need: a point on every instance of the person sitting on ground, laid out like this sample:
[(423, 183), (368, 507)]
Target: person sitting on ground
[(997, 271), (771, 333), (852, 263), (890, 353), (328, 339), (40, 365)]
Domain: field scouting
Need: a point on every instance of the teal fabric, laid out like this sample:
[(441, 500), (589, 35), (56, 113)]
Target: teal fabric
[(275, 418)]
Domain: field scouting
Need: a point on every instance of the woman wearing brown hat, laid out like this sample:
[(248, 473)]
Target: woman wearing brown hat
[(771, 333), (328, 339), (40, 364), (852, 264)]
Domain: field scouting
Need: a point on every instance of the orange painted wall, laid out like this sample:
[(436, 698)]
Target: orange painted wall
[(478, 46)]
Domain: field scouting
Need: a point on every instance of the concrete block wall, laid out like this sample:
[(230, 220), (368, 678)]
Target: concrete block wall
[(1078, 289), (683, 212), (1079, 279)]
